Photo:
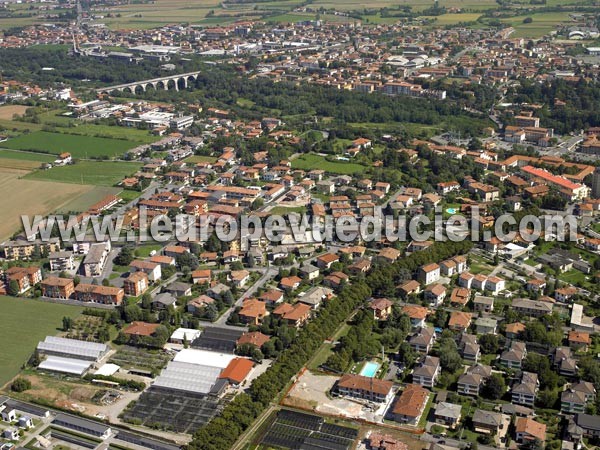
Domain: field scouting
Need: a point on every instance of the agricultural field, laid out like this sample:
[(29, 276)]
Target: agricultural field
[(99, 173), (15, 159), (83, 201), (453, 19), (7, 112), (309, 162), (36, 320), (542, 24), (78, 146), (30, 197)]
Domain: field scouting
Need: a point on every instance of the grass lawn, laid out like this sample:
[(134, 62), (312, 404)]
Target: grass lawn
[(78, 146), (145, 250), (100, 173), (26, 156), (282, 210), (574, 277), (128, 195), (200, 159), (309, 162), (39, 319)]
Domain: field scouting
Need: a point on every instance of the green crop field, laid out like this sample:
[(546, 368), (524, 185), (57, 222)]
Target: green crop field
[(23, 323), (78, 146), (83, 201), (25, 156), (309, 162), (100, 173), (542, 24)]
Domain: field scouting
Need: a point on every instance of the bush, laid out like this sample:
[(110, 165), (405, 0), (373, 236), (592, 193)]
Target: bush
[(527, 20), (20, 385)]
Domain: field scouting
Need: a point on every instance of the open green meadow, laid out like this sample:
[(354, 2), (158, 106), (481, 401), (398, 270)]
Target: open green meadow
[(83, 201), (542, 24), (310, 162), (23, 323), (100, 173), (78, 146)]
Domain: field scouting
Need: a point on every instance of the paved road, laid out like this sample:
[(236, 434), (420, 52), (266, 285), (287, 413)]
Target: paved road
[(268, 274)]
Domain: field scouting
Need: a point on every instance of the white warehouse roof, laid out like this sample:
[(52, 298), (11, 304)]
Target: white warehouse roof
[(189, 333), (204, 358), (74, 347), (188, 377), (65, 365)]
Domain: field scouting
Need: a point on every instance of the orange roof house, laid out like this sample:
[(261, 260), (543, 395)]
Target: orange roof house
[(141, 328), (253, 311), (459, 321), (255, 338), (237, 370)]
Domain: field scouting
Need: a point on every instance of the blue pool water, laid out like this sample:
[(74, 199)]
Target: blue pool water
[(451, 210), (369, 369)]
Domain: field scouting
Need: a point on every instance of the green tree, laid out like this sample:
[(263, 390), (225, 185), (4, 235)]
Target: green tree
[(495, 387), (20, 384)]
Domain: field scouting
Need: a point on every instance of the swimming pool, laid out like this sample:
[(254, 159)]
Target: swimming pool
[(451, 210), (369, 369)]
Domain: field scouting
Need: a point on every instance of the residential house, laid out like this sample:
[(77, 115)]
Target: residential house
[(95, 260), (410, 405), (201, 276), (514, 356), (528, 430), (411, 287), (487, 422), (429, 273), (382, 308), (60, 261), (295, 315), (253, 311), (525, 391), (486, 325), (239, 278), (483, 304), (135, 284), (563, 361), (435, 294), (54, 287), (471, 382), (427, 373), (309, 272), (447, 414), (417, 314), (107, 295), (365, 388), (459, 321), (579, 340), (531, 308), (469, 348), (422, 340), (152, 269), (290, 283)]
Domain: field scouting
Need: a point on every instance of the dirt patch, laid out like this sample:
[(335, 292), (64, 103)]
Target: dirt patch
[(411, 441), (7, 112)]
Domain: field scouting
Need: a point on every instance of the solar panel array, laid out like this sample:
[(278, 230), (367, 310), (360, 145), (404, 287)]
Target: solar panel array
[(301, 431), (218, 339), (179, 411)]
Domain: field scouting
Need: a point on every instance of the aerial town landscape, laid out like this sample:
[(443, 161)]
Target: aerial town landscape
[(299, 224)]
